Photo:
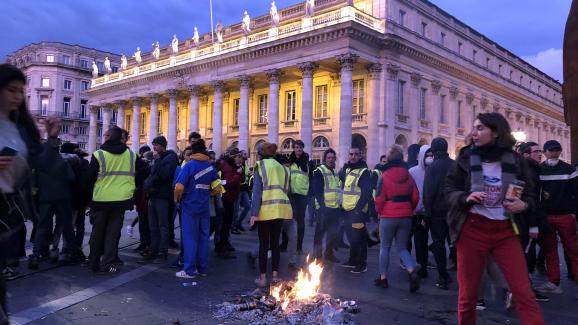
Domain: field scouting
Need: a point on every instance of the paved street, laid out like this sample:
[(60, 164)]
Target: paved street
[(151, 294)]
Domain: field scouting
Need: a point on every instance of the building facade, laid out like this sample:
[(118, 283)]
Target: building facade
[(368, 73), (58, 79)]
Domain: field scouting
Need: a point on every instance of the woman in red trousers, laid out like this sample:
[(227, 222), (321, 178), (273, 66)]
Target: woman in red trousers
[(482, 216)]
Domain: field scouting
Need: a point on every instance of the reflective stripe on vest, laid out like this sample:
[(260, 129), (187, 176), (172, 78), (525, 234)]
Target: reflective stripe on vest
[(299, 180), (203, 186), (203, 172), (274, 201), (331, 187), (351, 191), (115, 181)]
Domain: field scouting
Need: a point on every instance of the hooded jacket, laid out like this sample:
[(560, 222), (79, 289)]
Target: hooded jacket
[(141, 172), (159, 184), (233, 179), (434, 197), (418, 174), (399, 195)]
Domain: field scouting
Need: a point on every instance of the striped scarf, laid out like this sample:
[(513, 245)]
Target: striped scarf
[(509, 169)]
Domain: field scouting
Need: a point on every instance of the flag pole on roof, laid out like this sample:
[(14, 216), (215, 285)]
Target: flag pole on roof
[(211, 9)]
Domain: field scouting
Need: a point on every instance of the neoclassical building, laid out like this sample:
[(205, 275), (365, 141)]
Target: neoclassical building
[(58, 79), (369, 72)]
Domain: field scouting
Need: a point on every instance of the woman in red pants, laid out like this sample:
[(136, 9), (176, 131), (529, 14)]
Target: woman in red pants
[(481, 218)]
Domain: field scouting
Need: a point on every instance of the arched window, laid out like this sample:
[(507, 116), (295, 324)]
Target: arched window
[(287, 145), (320, 143)]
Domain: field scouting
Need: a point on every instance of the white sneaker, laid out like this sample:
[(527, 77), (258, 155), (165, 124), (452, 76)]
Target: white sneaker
[(549, 287), (182, 274), (129, 230)]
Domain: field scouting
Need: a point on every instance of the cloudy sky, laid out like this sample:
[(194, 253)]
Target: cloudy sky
[(531, 29)]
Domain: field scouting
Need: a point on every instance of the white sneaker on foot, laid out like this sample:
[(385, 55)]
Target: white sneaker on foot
[(549, 287)]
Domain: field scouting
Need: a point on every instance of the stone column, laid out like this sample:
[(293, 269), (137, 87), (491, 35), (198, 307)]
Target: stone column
[(153, 117), (373, 149), (390, 105), (135, 130), (92, 129), (346, 61), (106, 117), (469, 113), (273, 114), (306, 132), (244, 113), (452, 120), (414, 107), (218, 117), (434, 106), (120, 111), (172, 131), (194, 109)]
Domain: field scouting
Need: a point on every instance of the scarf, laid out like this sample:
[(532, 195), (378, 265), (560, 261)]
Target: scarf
[(302, 162), (491, 153)]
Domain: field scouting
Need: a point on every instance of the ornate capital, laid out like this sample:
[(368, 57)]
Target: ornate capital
[(308, 68), (392, 71), (496, 108), (415, 79), (518, 116), (172, 93), (347, 60), (226, 96), (484, 102), (106, 107), (436, 85), (136, 100), (245, 81), (374, 70), (120, 103), (469, 98), (218, 85), (94, 109), (454, 91), (194, 90), (273, 75)]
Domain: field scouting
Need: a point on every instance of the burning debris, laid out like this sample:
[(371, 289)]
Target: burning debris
[(290, 302)]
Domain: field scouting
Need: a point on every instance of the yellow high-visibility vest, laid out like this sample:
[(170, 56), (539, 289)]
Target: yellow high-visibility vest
[(299, 180), (274, 202), (351, 190), (115, 180), (331, 188)]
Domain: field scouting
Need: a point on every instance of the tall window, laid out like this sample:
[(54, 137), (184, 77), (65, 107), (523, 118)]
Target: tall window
[(400, 89), (236, 105), (262, 118), (100, 65), (443, 109), (67, 84), (402, 18), (83, 105), (423, 29), (211, 109), (84, 64), (84, 85), (521, 80), (66, 59), (474, 54), (460, 45), (128, 123), (358, 96), (44, 102), (45, 82), (459, 113), (50, 58), (114, 115), (443, 38), (160, 122), (99, 131), (66, 106), (499, 68), (321, 101), (81, 130), (65, 128), (143, 123), (114, 69), (422, 93), (487, 63), (99, 115), (290, 103)]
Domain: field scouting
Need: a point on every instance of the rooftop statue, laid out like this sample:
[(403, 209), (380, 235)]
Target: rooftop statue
[(123, 62), (156, 50), (219, 32), (137, 57), (246, 24), (107, 67), (175, 44), (309, 8), (94, 69), (196, 37), (274, 15)]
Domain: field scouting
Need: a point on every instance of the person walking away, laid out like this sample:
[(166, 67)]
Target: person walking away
[(232, 175), (480, 216), (197, 180), (158, 186), (395, 204), (419, 228), (114, 170), (357, 191), (559, 181), (436, 207), (301, 173), (326, 188), (270, 206)]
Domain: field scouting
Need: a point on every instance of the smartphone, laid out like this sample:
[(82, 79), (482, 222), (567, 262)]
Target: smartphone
[(7, 151)]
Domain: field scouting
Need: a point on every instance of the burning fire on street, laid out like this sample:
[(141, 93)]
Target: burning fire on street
[(290, 302)]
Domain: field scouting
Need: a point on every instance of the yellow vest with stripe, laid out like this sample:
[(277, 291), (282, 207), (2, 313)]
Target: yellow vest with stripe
[(115, 180), (351, 190), (299, 180), (274, 201), (331, 188)]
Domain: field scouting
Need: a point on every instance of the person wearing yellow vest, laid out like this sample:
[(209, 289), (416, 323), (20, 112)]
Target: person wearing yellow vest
[(269, 208), (357, 191), (113, 173), (301, 172), (326, 188)]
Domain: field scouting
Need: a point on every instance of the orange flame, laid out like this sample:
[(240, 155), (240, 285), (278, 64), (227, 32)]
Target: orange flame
[(304, 289)]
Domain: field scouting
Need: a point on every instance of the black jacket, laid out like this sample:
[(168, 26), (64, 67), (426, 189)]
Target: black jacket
[(159, 184), (55, 183), (559, 188), (141, 171), (434, 197), (318, 186)]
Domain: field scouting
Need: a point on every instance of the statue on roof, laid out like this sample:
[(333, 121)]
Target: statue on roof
[(196, 37), (94, 69), (107, 68), (246, 24), (274, 15), (309, 8), (137, 57), (156, 50), (219, 32), (175, 45), (123, 62)]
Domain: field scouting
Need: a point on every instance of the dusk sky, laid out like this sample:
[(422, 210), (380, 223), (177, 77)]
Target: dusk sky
[(532, 29)]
